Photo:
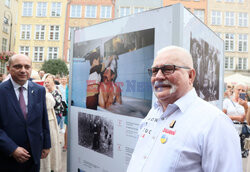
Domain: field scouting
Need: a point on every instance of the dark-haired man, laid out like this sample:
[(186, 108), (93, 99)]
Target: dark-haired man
[(24, 128)]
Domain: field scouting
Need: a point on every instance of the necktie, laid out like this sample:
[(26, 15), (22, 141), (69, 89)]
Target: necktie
[(22, 102)]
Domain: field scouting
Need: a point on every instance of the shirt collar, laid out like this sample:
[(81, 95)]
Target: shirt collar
[(16, 85), (182, 103)]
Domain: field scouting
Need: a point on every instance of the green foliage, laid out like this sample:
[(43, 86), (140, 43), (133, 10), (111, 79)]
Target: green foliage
[(55, 66)]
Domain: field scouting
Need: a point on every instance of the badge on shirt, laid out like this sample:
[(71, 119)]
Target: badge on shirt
[(164, 138), (171, 125)]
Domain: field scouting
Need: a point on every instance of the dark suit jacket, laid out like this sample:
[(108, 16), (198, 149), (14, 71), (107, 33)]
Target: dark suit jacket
[(32, 134)]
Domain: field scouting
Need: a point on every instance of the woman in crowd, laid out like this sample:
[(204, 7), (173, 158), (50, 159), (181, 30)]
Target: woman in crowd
[(50, 85), (53, 160), (236, 108)]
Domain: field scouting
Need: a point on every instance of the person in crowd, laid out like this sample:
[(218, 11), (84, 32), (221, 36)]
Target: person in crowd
[(236, 107), (53, 160), (66, 118), (57, 80), (182, 132), (24, 126), (6, 77), (41, 74), (229, 91), (62, 89), (50, 85)]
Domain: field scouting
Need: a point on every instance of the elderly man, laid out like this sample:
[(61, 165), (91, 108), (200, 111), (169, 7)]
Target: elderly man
[(181, 131), (24, 127)]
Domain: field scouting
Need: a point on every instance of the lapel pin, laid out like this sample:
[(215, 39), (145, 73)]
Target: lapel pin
[(171, 125), (163, 139), (32, 91)]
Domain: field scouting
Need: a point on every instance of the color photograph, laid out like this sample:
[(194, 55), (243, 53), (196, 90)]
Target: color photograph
[(113, 73)]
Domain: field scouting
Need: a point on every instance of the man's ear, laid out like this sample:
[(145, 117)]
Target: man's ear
[(8, 68), (191, 76)]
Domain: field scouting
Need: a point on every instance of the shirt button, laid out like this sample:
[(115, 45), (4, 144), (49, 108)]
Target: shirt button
[(153, 137)]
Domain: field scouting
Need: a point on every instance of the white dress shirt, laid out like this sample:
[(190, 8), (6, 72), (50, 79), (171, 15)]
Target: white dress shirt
[(203, 139), (25, 91)]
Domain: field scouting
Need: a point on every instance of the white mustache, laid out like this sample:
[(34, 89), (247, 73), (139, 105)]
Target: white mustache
[(159, 84)]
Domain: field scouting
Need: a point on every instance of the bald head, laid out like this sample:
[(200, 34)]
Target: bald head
[(180, 55), (20, 68), (20, 56)]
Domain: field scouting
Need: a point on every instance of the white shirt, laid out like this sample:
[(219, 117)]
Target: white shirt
[(233, 108), (25, 91), (203, 139)]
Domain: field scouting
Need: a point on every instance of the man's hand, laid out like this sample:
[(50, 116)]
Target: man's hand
[(21, 155), (45, 153)]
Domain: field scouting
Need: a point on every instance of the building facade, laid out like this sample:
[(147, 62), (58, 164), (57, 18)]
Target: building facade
[(127, 7), (8, 23), (85, 13), (40, 30), (230, 20), (197, 7)]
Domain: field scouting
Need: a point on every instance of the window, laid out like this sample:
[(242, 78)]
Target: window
[(4, 44), (138, 10), (75, 11), (2, 67), (40, 32), (5, 25), (229, 42), (41, 9), (243, 18), (27, 8), (199, 14), (243, 43), (54, 32), (241, 1), (90, 11), (216, 17), (53, 53), (242, 63), (124, 11), (38, 54), (25, 31), (229, 63), (229, 18), (218, 0), (106, 11), (55, 9), (7, 3), (229, 0), (24, 50)]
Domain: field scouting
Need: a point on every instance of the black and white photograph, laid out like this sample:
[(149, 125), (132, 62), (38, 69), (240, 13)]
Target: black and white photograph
[(207, 66), (96, 133)]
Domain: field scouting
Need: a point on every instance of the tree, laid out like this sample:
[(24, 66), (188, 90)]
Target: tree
[(55, 66)]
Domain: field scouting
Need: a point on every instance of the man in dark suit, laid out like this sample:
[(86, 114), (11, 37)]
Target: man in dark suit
[(24, 128)]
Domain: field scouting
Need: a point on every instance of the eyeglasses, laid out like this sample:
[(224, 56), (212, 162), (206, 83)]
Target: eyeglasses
[(241, 90), (166, 69)]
